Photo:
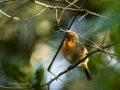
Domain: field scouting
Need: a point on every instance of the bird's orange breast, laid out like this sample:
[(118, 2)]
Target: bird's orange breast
[(70, 50)]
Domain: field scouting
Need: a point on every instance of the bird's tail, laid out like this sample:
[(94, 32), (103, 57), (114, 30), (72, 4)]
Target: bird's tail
[(87, 72)]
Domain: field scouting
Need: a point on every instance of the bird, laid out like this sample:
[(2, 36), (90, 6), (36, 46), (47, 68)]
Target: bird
[(74, 51)]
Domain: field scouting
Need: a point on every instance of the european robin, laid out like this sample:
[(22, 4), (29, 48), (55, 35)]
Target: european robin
[(73, 52)]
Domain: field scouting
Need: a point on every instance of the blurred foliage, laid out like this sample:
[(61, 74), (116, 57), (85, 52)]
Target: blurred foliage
[(27, 47), (12, 71), (39, 76)]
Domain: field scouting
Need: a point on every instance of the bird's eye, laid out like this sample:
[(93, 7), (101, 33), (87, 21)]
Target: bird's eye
[(73, 40)]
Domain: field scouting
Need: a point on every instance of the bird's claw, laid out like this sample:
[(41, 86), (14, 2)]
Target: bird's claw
[(69, 68)]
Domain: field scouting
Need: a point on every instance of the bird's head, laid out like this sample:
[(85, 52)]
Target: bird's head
[(71, 36)]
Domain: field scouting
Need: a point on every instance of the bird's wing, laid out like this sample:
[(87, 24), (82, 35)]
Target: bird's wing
[(81, 49)]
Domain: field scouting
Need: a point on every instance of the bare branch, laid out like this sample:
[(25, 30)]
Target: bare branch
[(108, 65), (71, 9), (16, 18), (53, 7), (67, 7), (62, 13), (74, 25), (59, 79), (83, 4), (104, 38)]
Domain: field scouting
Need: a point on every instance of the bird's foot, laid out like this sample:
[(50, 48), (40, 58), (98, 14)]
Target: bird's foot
[(69, 68)]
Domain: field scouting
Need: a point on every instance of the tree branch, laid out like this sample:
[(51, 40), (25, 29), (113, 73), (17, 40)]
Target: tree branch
[(71, 9), (16, 18), (53, 7)]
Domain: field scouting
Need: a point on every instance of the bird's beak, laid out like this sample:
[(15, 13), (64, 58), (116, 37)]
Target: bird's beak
[(67, 38)]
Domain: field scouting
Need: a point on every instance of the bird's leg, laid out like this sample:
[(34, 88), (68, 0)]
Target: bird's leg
[(69, 68), (79, 61)]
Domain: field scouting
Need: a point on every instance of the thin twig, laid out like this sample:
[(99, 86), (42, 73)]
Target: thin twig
[(59, 79), (90, 41), (108, 66), (74, 25), (63, 12), (67, 7), (104, 38), (71, 9), (83, 4), (73, 4), (16, 18)]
